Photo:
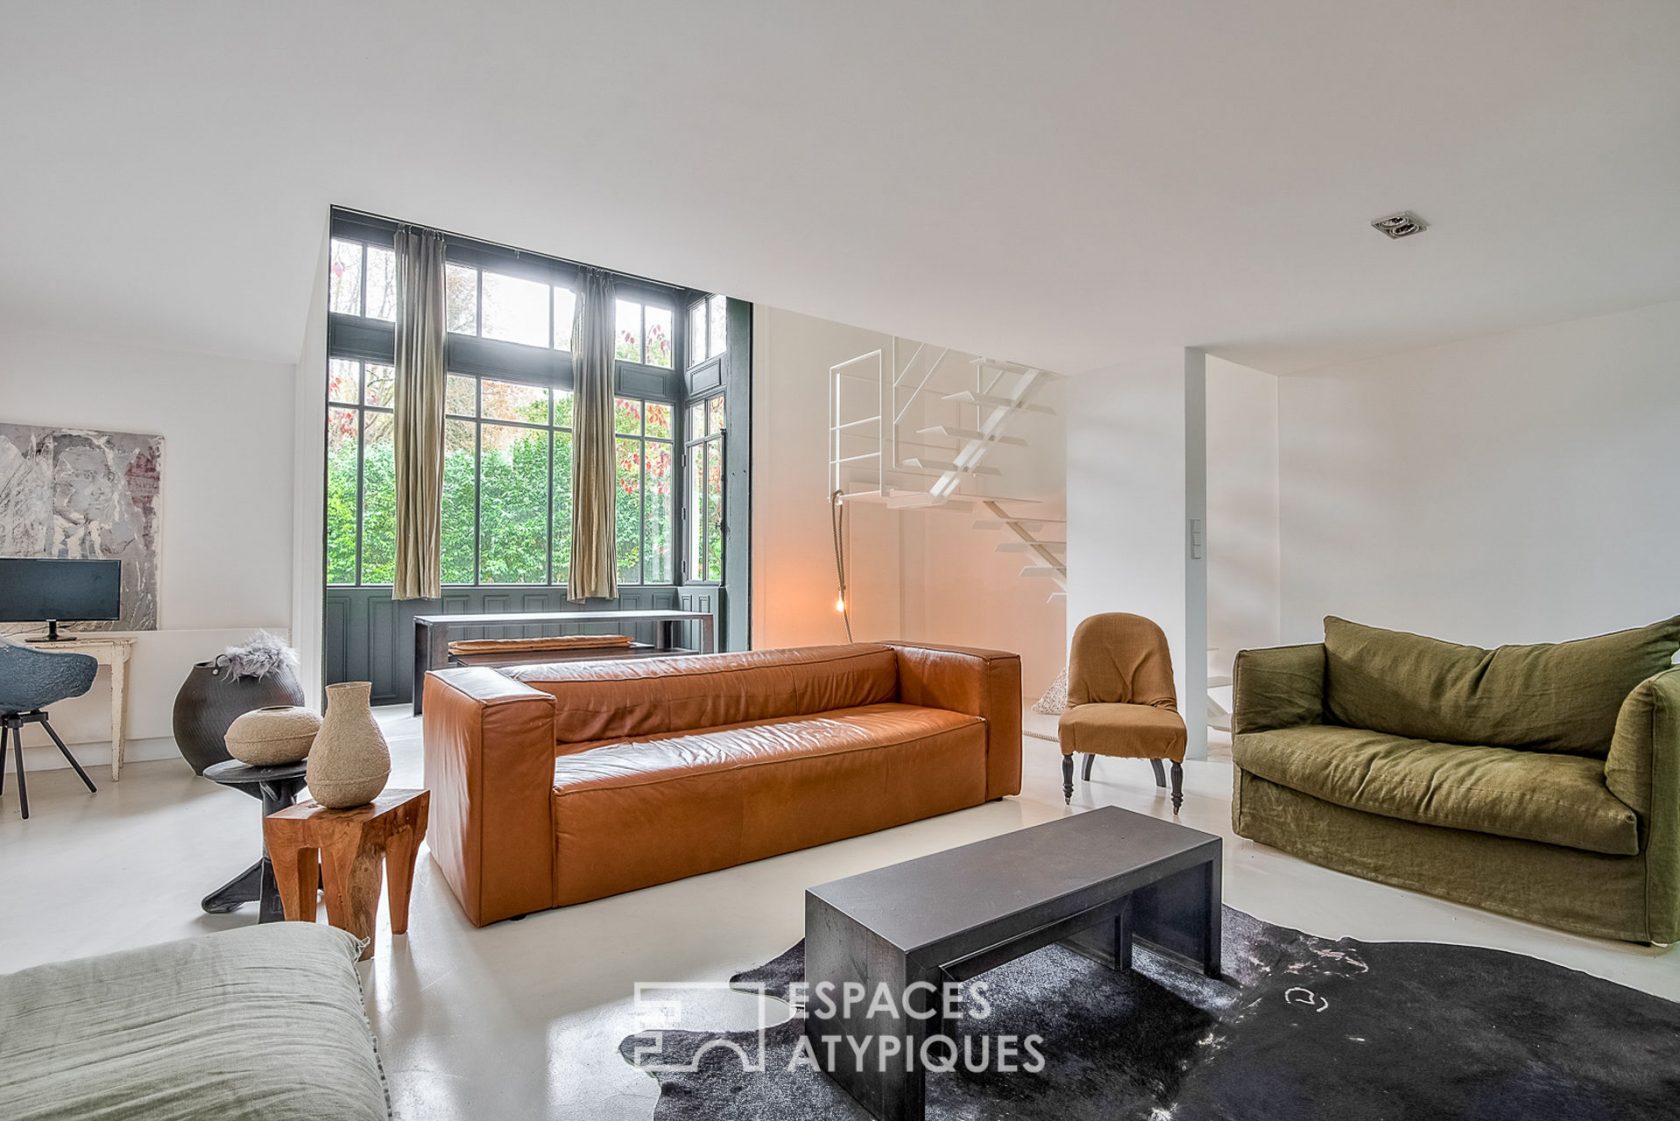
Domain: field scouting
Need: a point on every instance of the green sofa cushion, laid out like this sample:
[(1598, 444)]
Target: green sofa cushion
[(1557, 799), (1559, 697), (264, 1023)]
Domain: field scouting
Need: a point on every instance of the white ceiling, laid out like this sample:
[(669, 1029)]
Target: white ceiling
[(1059, 183)]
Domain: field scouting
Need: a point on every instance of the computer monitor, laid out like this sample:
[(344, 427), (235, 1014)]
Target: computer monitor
[(35, 590)]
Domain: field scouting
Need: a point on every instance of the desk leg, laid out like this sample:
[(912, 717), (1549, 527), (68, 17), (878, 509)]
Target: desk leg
[(708, 635), (119, 714)]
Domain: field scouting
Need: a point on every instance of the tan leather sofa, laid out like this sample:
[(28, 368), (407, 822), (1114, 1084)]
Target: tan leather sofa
[(556, 784)]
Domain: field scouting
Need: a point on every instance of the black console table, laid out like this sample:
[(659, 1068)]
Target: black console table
[(431, 637)]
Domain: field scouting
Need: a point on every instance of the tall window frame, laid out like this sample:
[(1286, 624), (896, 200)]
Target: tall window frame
[(479, 352)]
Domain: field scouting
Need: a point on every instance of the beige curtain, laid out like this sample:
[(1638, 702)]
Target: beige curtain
[(594, 571), (418, 407)]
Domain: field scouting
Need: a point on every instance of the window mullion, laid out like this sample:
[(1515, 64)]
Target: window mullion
[(549, 498), (362, 451), (478, 485), (642, 514)]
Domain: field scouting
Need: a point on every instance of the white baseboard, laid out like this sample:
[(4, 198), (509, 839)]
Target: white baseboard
[(43, 756)]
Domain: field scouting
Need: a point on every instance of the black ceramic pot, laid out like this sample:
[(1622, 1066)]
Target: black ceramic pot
[(213, 697)]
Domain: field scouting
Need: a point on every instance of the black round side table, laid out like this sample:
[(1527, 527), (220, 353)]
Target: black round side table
[(276, 788)]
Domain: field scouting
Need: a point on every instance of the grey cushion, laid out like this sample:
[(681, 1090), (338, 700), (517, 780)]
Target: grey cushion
[(263, 1022)]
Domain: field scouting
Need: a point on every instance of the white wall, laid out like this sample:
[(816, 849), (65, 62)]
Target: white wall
[(915, 574), (1515, 488), (1244, 592), (1134, 480), (793, 589), (309, 457), (225, 551)]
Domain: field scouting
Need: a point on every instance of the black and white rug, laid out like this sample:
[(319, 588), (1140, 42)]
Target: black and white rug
[(1311, 1029)]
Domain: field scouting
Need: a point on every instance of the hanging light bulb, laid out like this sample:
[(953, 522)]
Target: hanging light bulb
[(840, 603)]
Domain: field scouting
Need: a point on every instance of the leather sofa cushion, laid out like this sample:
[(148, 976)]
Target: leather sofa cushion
[(1557, 799), (631, 815), (1561, 697), (625, 699), (1130, 731)]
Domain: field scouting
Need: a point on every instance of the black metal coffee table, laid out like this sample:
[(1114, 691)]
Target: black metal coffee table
[(276, 788), (1098, 882)]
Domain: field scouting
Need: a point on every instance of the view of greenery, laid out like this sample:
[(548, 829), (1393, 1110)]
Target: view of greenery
[(496, 484)]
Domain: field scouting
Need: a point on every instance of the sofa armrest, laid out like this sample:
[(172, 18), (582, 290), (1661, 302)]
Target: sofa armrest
[(489, 754), (1278, 687), (983, 683), (1643, 770)]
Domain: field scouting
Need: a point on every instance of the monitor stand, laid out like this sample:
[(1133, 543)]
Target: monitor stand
[(52, 634)]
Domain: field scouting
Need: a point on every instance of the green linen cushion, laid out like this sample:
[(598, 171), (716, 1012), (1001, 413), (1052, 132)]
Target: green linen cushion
[(1556, 799), (1559, 697), (262, 1022)]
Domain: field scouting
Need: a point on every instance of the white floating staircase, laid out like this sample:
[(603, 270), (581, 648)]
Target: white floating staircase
[(876, 454), (1031, 535)]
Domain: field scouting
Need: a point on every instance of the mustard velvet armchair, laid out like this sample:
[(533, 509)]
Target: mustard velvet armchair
[(1121, 700)]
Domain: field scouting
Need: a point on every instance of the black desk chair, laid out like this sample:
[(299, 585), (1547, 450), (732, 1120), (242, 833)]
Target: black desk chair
[(30, 679)]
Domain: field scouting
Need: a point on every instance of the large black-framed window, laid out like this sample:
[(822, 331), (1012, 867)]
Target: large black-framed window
[(498, 365), (508, 432)]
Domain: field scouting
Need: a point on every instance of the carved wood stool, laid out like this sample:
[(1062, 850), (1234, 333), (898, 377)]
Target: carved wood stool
[(341, 850)]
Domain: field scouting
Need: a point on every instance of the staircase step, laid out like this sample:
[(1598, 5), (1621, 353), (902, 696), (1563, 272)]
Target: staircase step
[(1054, 596), (939, 465), (956, 433), (968, 396), (1015, 368), (1044, 570), (922, 499), (1031, 525), (1028, 546)]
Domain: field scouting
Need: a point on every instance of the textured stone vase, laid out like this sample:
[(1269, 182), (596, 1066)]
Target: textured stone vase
[(272, 735), (349, 761)]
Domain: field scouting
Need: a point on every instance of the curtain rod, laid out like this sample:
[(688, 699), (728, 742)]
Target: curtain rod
[(630, 276)]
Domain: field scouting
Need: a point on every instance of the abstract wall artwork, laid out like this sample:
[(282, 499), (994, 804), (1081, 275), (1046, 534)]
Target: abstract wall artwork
[(79, 493)]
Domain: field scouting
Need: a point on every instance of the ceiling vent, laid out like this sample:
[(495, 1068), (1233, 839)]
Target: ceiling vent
[(1403, 224)]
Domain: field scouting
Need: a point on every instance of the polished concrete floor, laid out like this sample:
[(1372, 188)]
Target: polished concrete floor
[(522, 1020)]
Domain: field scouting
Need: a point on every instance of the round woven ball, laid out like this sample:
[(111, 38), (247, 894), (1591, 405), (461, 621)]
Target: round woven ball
[(268, 737)]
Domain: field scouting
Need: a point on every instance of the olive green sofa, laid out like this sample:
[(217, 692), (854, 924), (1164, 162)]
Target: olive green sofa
[(1536, 781)]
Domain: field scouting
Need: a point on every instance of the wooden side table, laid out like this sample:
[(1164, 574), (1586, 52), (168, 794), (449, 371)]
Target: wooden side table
[(341, 850)]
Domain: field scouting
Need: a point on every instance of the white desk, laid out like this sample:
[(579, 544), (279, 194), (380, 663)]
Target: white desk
[(107, 651)]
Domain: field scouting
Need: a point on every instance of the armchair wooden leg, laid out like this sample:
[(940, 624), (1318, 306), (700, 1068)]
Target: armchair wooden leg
[(1160, 773), (1067, 779), (1090, 757), (1177, 786)]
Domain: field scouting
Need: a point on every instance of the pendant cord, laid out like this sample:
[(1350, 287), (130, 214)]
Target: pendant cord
[(837, 518)]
